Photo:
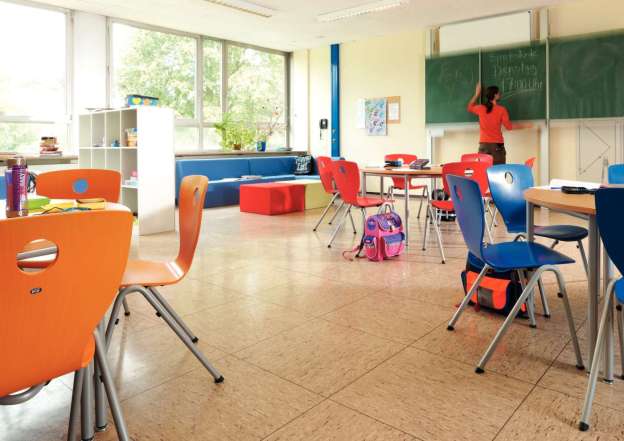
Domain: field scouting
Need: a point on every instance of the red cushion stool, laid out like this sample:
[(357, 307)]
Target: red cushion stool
[(272, 198)]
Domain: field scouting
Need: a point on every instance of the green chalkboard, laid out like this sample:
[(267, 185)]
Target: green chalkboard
[(587, 77), (520, 74), (449, 83)]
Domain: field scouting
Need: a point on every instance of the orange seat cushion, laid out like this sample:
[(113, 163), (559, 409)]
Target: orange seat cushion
[(150, 273), (443, 205)]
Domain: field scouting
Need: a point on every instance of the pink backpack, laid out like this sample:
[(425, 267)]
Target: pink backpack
[(384, 236)]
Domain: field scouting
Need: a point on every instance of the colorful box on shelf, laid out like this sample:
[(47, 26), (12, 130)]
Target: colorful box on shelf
[(141, 100)]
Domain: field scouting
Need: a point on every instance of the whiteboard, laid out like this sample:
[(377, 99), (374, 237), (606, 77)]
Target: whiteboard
[(486, 32)]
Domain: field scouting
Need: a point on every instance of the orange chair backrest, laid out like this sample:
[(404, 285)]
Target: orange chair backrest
[(405, 157), (407, 160), (324, 164), (477, 157), (530, 162), (347, 178), (477, 171), (47, 318), (81, 183), (191, 208)]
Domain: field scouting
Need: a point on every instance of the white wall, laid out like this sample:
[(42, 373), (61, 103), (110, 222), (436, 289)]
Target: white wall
[(299, 100), (89, 64), (319, 100)]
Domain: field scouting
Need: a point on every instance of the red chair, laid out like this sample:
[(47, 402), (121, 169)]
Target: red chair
[(347, 177), (477, 157), (399, 183), (324, 164), (477, 171), (530, 162)]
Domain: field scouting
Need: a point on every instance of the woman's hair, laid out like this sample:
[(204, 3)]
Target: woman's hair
[(490, 94)]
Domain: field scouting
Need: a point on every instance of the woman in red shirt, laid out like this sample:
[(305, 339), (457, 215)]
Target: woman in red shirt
[(491, 119)]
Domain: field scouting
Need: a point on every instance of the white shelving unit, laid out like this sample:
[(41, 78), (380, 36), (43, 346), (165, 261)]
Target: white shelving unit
[(152, 199)]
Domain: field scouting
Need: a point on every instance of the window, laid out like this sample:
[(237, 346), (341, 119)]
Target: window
[(213, 51), (256, 90), (33, 89), (167, 65), (152, 63)]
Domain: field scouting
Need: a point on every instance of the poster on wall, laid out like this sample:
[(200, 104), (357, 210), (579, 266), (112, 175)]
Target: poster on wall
[(376, 123)]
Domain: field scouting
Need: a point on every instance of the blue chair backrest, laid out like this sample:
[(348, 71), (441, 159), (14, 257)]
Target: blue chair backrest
[(609, 202), (508, 183), (616, 174), (468, 203)]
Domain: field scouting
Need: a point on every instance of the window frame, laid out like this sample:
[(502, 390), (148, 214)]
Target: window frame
[(199, 121), (67, 118)]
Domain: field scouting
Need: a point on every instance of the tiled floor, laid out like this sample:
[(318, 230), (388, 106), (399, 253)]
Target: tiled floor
[(314, 347)]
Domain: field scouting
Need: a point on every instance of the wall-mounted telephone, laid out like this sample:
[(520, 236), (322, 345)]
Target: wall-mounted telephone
[(323, 125), (418, 164)]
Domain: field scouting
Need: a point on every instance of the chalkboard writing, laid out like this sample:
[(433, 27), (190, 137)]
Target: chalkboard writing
[(450, 82), (520, 73)]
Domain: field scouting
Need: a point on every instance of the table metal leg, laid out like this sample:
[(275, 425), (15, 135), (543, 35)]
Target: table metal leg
[(609, 350), (530, 222), (364, 184), (593, 284), (406, 181), (381, 185)]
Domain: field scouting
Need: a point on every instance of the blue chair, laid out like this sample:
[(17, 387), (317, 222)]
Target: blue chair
[(616, 174), (523, 257), (508, 183), (608, 214)]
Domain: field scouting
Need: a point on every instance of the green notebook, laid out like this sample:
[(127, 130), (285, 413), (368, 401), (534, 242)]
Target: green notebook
[(35, 202)]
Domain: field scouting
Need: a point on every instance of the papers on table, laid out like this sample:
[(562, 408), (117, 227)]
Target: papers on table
[(556, 184)]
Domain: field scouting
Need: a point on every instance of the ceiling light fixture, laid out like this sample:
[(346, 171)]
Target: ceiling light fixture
[(245, 6), (367, 8)]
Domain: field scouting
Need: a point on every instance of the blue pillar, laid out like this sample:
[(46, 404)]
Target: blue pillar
[(335, 100)]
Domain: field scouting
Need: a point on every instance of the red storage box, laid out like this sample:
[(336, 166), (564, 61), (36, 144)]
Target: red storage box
[(272, 198)]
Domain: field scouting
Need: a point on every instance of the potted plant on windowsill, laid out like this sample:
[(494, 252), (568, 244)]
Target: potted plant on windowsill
[(235, 134), (266, 129)]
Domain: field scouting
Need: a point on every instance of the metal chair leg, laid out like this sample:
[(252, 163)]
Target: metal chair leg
[(466, 300), (174, 314), (529, 303), (331, 202), (74, 412), (595, 366), (86, 400), (542, 292), (487, 229), (112, 321), (620, 326), (422, 199), (101, 419), (436, 226), (331, 221), (126, 308), (149, 296), (424, 246), (583, 256), (514, 312), (339, 226), (352, 223), (111, 393)]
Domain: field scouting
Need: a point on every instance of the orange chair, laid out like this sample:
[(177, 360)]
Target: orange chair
[(478, 157), (476, 171), (49, 318), (347, 177), (327, 179), (399, 183), (82, 183), (530, 162), (144, 276)]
